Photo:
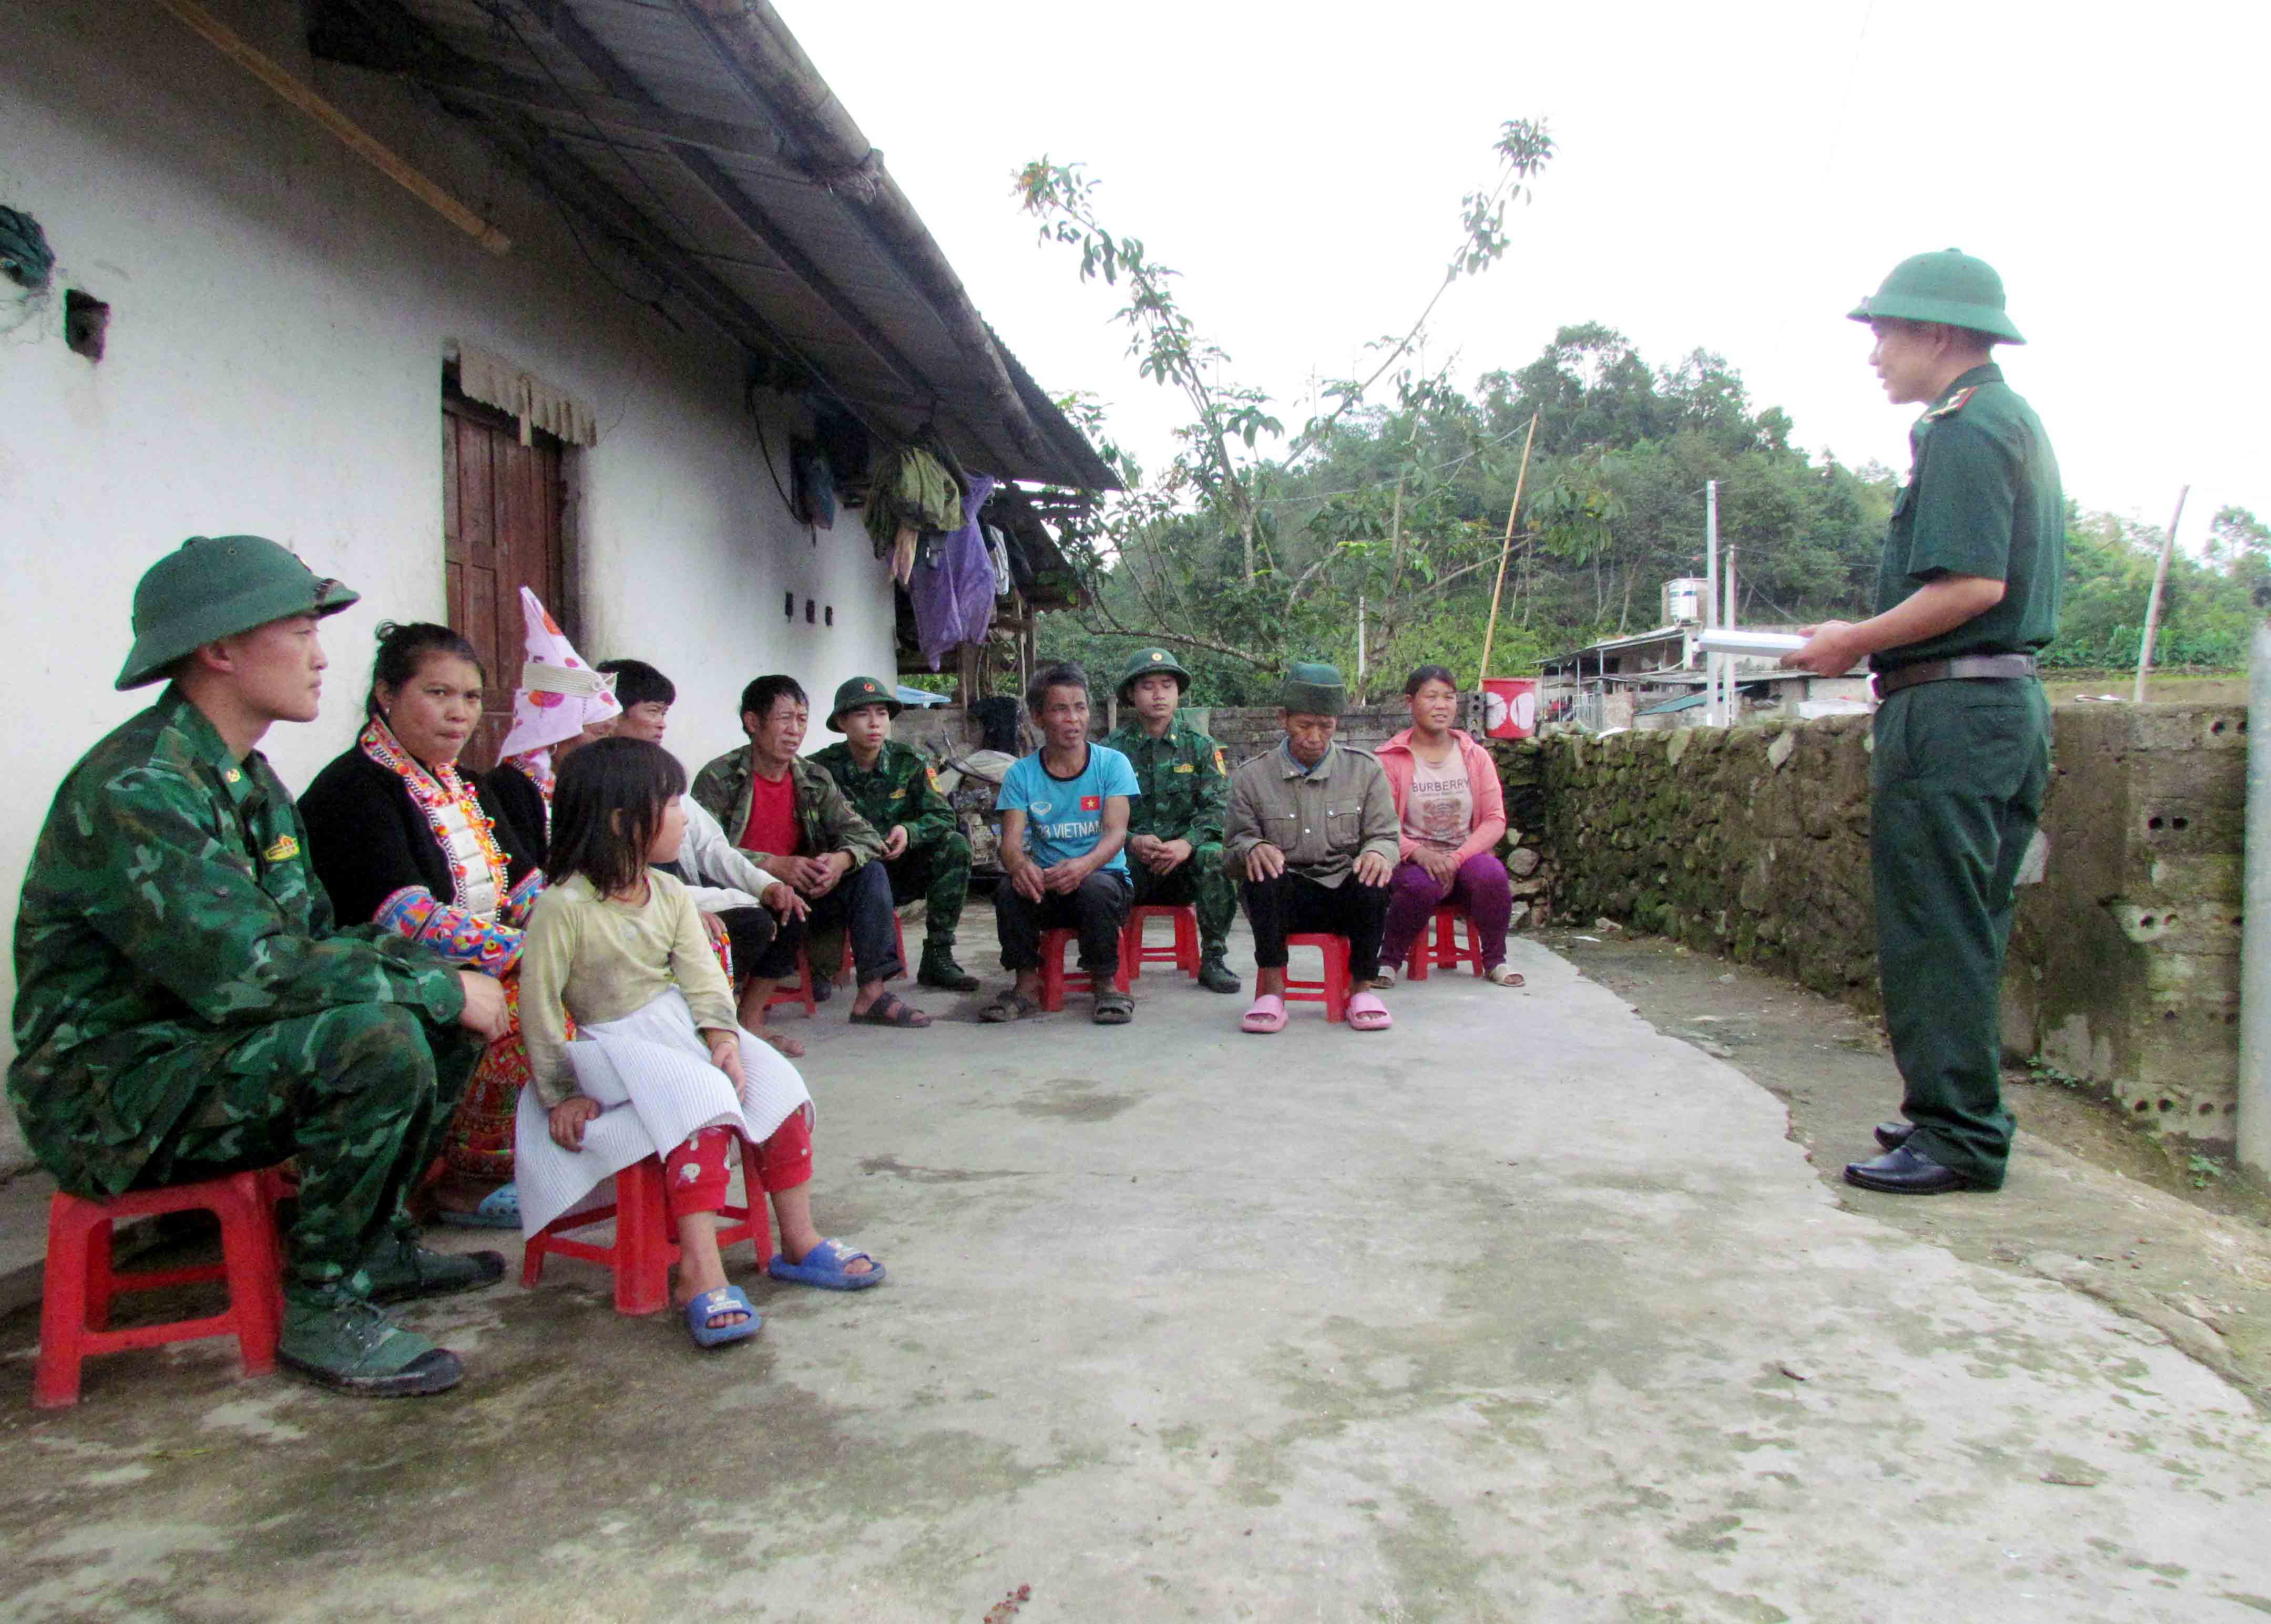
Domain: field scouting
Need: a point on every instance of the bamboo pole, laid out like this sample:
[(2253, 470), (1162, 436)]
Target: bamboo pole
[(1506, 551), (272, 73), (2152, 604)]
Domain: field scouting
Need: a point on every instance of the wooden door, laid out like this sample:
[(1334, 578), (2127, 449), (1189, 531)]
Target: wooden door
[(500, 531)]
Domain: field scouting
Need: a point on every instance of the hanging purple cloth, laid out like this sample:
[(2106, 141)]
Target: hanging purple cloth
[(953, 588)]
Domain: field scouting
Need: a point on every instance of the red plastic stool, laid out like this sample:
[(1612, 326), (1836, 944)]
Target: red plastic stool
[(1444, 952), (1056, 981), (643, 1250), (81, 1283), (1184, 955), (799, 991), (1332, 991)]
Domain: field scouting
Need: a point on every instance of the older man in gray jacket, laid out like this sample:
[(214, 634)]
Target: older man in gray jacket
[(1311, 837)]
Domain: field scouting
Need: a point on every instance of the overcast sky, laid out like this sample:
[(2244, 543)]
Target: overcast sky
[(1732, 177)]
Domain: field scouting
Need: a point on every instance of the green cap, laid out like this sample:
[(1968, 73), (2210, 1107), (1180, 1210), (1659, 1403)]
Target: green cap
[(213, 587), (1948, 286), (1313, 688), (858, 691), (1143, 663)]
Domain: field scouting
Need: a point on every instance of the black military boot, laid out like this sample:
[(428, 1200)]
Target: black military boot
[(939, 969), (1214, 974)]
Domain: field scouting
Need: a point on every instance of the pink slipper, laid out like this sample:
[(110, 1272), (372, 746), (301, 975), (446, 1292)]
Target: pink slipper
[(1367, 1013), (1268, 1015)]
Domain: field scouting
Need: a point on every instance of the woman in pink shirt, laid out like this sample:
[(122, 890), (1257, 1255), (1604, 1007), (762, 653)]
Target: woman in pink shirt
[(1453, 813)]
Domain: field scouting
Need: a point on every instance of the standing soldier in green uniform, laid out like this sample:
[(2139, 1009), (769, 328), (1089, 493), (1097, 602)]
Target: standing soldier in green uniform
[(1174, 828), (1968, 592), (185, 1005), (925, 851)]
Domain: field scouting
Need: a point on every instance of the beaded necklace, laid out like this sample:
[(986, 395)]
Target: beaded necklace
[(437, 795)]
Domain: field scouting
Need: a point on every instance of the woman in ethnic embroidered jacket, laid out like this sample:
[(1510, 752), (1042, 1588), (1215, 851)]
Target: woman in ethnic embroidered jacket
[(400, 839)]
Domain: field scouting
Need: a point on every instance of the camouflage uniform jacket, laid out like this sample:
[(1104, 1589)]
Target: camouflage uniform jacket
[(1185, 784), (903, 789), (827, 820), (169, 907)]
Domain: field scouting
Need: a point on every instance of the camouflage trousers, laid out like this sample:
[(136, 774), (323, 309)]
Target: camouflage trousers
[(939, 873), (1198, 880), (360, 1096)]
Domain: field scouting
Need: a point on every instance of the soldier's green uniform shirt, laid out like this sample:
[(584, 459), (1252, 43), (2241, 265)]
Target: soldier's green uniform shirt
[(900, 788), (1185, 783), (1185, 786), (1959, 767), (170, 923), (1982, 499)]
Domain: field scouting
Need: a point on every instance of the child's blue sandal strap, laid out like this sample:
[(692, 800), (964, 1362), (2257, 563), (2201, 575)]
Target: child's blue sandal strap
[(725, 1299), (824, 1266)]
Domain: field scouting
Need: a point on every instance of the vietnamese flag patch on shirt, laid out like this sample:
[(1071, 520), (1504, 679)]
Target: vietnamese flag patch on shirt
[(1091, 803)]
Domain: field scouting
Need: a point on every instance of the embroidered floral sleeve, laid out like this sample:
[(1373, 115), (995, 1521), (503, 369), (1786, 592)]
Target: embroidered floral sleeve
[(523, 897), (451, 932)]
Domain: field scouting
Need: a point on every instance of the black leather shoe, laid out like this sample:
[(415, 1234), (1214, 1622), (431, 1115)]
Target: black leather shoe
[(1905, 1171), (1893, 1135)]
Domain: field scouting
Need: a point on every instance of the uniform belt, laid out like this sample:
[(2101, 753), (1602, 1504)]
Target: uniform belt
[(1970, 667)]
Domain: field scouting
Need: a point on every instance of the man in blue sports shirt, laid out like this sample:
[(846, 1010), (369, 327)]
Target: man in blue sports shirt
[(1064, 820)]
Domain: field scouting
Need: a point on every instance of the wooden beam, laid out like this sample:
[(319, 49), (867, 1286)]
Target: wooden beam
[(272, 73), (482, 82)]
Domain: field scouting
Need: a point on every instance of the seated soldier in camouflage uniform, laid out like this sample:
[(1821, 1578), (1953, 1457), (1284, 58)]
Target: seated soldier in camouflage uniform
[(185, 1007), (1174, 829), (893, 788)]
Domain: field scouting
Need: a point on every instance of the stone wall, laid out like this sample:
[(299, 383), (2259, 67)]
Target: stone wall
[(2124, 967)]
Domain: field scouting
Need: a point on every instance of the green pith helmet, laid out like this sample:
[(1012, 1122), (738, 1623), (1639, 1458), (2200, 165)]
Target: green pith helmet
[(1313, 688), (1144, 663), (858, 691), (1948, 286), (213, 587)]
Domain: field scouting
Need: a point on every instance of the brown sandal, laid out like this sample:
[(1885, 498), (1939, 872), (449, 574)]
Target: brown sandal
[(889, 1010)]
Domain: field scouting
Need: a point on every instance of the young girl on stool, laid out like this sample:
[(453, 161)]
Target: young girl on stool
[(659, 1066)]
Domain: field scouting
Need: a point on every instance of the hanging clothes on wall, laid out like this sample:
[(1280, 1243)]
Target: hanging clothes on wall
[(911, 491), (812, 483), (953, 591)]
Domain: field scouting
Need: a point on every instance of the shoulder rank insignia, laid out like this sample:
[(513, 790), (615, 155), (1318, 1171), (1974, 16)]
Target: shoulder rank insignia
[(282, 849), (1185, 766), (1955, 404), (931, 772), (1218, 766)]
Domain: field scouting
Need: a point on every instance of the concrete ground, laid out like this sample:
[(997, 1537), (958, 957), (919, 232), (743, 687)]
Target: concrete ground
[(1524, 1310)]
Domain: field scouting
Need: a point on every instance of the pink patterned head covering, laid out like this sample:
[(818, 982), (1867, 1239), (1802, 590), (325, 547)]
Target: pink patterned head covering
[(560, 695)]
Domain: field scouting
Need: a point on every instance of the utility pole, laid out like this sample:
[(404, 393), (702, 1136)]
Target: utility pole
[(1732, 702), (2255, 1124), (1712, 598), (1359, 648), (2152, 604)]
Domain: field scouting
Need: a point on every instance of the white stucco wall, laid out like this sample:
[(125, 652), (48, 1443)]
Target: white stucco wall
[(280, 313)]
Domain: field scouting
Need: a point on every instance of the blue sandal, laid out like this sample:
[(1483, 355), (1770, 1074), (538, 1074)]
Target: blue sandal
[(725, 1299), (824, 1266), (500, 1209)]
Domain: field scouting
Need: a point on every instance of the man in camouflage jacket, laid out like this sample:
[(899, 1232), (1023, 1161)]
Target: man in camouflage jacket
[(895, 790), (803, 830), (1175, 828), (186, 1006)]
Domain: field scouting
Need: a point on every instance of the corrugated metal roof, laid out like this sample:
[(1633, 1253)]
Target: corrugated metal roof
[(695, 137)]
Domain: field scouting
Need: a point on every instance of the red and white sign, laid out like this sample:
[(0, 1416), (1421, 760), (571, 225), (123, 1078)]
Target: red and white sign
[(1510, 707)]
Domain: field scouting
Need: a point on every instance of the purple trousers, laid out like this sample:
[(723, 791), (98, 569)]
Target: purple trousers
[(1479, 885)]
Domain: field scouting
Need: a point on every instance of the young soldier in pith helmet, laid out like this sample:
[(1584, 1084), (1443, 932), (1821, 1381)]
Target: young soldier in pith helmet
[(1967, 593), (925, 851), (186, 1008), (1174, 829)]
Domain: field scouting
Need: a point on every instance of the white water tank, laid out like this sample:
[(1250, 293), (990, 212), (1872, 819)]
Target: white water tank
[(1683, 601)]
